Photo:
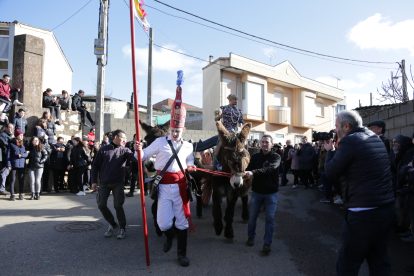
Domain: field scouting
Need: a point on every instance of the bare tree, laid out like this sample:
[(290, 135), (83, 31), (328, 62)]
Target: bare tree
[(392, 90)]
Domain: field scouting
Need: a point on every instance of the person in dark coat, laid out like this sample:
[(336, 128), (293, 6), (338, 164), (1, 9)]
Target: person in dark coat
[(78, 105), (16, 160), (378, 127), (79, 159), (19, 121), (360, 161), (307, 155), (5, 138), (51, 102), (46, 164), (58, 164), (286, 163), (65, 101), (37, 158), (50, 129)]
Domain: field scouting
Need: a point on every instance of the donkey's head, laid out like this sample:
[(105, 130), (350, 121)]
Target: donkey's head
[(234, 158), (154, 132)]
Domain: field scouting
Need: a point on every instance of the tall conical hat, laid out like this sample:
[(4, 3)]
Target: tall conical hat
[(178, 110)]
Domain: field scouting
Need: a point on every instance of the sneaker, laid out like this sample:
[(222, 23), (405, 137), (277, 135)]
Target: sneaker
[(321, 189), (81, 193), (129, 194), (121, 234), (16, 102), (405, 235), (250, 241), (58, 123), (85, 125), (339, 201), (85, 188), (4, 192), (294, 186), (94, 192), (324, 200), (266, 248), (320, 186), (12, 198), (409, 239), (93, 123), (21, 197), (111, 230)]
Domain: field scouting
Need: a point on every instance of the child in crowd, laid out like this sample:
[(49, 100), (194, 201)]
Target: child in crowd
[(51, 102)]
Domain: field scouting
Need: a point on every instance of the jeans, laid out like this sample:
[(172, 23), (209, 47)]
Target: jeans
[(327, 187), (365, 236), (4, 172), (119, 198), (78, 174), (84, 113), (286, 168), (270, 203), (296, 177), (20, 174), (57, 111), (46, 175), (35, 177)]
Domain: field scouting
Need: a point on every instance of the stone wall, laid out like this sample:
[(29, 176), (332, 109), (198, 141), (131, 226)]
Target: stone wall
[(399, 118)]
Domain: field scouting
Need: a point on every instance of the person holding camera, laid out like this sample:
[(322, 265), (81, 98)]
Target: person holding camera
[(367, 194), (307, 155)]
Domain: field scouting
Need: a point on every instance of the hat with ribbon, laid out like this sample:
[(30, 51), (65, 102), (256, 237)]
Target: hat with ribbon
[(178, 110)]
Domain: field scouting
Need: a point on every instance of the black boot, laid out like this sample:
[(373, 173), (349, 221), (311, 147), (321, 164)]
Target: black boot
[(170, 236), (32, 197), (37, 196), (182, 247)]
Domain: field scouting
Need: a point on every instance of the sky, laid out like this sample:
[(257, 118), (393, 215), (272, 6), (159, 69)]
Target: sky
[(377, 31)]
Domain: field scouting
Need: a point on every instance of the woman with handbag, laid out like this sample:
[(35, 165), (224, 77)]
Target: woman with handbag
[(37, 158), (79, 159)]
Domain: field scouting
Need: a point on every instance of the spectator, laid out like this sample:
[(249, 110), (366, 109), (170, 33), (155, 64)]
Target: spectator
[(307, 154), (58, 164), (286, 162), (133, 167), (71, 177), (94, 152), (5, 138), (79, 160), (327, 186), (37, 157), (19, 121), (91, 137), (378, 127), (46, 165), (65, 101), (16, 160), (41, 127), (105, 141), (367, 194), (51, 128), (78, 105), (6, 93), (292, 156), (264, 166), (87, 173), (256, 143), (51, 102)]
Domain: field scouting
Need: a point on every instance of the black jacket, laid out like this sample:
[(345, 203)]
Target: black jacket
[(386, 142), (5, 138), (361, 162), (265, 170), (20, 123), (57, 158), (286, 154), (77, 155), (77, 101), (47, 100), (307, 156), (37, 158)]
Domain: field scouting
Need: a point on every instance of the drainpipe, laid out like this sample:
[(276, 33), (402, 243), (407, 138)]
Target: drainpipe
[(237, 88)]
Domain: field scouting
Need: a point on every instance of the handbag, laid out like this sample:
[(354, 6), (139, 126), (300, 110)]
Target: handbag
[(191, 184), (82, 163), (155, 188)]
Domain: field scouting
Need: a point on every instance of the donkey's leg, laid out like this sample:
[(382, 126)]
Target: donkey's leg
[(231, 204), (217, 213), (245, 208), (154, 209), (199, 206)]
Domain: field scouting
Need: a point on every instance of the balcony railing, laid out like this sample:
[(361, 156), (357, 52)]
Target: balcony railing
[(279, 115)]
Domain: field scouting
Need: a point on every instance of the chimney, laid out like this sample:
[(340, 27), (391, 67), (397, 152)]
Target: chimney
[(211, 58)]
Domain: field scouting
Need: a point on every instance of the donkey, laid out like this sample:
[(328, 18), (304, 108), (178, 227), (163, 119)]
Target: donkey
[(233, 158)]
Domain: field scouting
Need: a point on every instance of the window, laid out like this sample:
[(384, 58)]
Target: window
[(339, 108), (279, 138), (309, 110), (319, 109), (4, 49), (278, 100), (4, 64), (298, 139), (4, 32)]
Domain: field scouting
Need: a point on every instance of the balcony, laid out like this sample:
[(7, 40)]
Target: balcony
[(279, 115)]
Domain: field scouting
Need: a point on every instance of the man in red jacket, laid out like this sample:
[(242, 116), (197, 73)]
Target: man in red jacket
[(6, 93), (91, 136)]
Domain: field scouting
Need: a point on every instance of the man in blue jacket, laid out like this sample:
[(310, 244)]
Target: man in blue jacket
[(361, 163), (19, 121)]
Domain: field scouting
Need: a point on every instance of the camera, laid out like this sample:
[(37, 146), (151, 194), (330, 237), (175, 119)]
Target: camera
[(322, 136)]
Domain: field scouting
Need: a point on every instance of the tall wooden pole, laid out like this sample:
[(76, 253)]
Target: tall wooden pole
[(140, 171)]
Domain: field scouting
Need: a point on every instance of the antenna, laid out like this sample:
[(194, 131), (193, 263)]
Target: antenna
[(270, 56), (337, 80)]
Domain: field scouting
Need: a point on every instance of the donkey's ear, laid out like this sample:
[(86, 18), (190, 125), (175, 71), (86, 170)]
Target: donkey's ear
[(244, 133), (166, 127), (146, 127), (223, 133)]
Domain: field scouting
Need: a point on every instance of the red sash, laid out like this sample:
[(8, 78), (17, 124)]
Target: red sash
[(179, 178)]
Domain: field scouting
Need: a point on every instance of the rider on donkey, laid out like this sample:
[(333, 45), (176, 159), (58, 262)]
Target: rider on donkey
[(172, 196)]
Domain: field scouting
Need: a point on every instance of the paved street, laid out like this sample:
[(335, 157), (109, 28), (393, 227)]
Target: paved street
[(306, 240)]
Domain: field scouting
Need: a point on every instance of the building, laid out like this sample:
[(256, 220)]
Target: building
[(277, 100)]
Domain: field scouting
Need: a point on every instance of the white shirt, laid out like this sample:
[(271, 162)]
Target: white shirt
[(162, 150)]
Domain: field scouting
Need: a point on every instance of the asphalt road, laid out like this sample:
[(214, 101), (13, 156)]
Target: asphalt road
[(306, 239)]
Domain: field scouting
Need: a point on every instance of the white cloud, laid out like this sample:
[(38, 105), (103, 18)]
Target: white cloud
[(269, 51), (377, 32), (366, 77)]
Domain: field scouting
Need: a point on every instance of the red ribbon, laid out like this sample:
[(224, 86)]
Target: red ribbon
[(216, 172)]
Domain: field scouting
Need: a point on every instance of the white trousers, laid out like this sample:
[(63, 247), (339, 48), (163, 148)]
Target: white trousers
[(170, 205)]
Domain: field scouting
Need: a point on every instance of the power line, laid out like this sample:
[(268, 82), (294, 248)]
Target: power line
[(264, 43), (298, 49), (72, 15)]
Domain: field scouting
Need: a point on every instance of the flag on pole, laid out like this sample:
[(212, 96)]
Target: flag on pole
[(140, 14)]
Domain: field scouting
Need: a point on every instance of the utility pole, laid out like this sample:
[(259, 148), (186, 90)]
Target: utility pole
[(100, 52), (149, 86), (404, 81), (370, 99)]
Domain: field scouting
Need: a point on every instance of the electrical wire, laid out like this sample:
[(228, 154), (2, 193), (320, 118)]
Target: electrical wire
[(72, 15), (280, 44)]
